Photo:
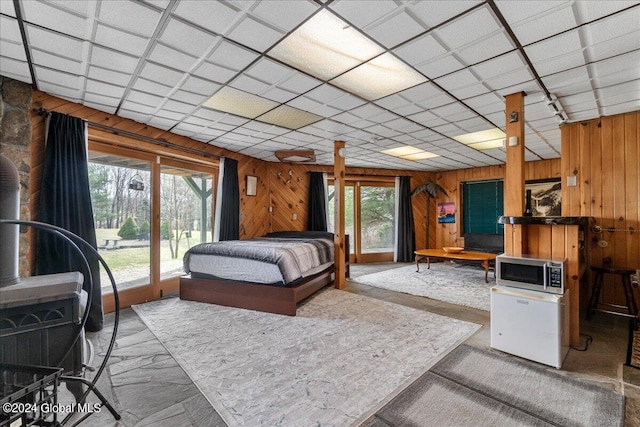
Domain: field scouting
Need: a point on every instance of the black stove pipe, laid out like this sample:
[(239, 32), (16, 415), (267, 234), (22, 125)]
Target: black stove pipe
[(9, 209)]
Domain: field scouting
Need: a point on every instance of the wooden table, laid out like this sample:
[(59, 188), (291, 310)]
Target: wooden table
[(483, 257)]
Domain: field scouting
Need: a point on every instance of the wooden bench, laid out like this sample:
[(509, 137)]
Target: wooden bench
[(113, 239)]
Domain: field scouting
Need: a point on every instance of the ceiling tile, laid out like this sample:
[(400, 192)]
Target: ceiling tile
[(187, 38), (14, 51), (284, 14), (131, 16), (509, 79), (363, 12), (53, 43), (148, 86), (104, 89), (232, 56), (591, 10), (299, 83), (441, 66), (113, 60), (249, 84), (108, 76), (10, 29), (213, 72), (269, 71), (160, 74), (433, 13), (468, 28), (119, 40), (423, 49), (201, 86), (532, 21), (145, 99), (66, 92), (6, 8), (486, 48), (165, 55), (255, 35), (215, 16), (14, 69), (57, 62), (48, 16), (394, 30), (615, 46)]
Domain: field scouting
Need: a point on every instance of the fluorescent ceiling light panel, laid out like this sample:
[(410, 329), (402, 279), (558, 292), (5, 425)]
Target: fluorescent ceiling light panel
[(486, 145), (240, 103), (379, 77), (289, 117), (420, 156), (402, 151), (325, 46), (481, 136), (410, 153)]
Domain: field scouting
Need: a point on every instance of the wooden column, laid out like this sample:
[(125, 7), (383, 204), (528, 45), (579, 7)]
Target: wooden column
[(338, 237), (514, 193)]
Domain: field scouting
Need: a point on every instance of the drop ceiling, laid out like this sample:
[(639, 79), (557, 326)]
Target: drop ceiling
[(159, 62)]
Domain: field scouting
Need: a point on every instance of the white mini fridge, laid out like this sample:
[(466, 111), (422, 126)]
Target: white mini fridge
[(533, 325)]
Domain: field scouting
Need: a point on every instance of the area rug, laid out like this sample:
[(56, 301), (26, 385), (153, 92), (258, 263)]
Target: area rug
[(505, 391), (452, 283), (334, 364)]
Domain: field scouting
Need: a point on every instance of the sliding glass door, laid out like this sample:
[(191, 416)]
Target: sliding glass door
[(369, 219), (121, 198), (185, 214), (148, 211)]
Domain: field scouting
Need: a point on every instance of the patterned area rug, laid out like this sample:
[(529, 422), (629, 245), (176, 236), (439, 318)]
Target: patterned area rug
[(334, 364), (452, 283), (507, 391)]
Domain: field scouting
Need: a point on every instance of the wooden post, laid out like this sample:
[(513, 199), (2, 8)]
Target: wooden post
[(338, 238), (514, 199)]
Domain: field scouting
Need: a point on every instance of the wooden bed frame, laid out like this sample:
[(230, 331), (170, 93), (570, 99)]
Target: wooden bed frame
[(268, 298)]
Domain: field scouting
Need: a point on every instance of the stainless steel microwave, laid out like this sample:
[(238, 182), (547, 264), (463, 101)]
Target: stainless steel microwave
[(543, 275)]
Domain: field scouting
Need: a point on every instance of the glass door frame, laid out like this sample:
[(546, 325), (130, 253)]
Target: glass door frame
[(172, 284), (356, 182), (156, 288)]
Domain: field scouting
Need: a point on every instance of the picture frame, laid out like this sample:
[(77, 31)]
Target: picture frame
[(252, 185), (446, 213), (546, 196)]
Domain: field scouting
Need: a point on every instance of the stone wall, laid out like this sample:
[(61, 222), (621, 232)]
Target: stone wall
[(15, 137)]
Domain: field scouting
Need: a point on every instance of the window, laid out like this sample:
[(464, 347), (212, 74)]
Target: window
[(483, 203)]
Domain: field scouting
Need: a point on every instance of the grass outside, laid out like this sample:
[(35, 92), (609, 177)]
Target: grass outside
[(131, 265)]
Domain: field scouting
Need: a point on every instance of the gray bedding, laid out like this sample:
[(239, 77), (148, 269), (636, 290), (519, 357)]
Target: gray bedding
[(293, 257)]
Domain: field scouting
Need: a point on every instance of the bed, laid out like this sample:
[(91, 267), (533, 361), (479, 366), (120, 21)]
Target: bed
[(271, 273)]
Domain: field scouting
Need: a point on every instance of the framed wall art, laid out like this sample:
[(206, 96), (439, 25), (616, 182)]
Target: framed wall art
[(545, 197), (252, 185)]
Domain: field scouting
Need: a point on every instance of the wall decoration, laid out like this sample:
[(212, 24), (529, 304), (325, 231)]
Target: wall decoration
[(447, 212), (545, 197), (252, 185)]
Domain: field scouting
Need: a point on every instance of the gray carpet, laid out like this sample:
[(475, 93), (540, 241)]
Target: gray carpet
[(453, 283), (334, 364), (474, 387)]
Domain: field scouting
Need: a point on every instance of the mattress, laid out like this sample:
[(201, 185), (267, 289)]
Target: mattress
[(266, 260)]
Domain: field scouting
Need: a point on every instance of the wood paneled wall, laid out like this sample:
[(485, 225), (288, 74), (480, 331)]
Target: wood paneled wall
[(289, 199), (451, 181), (604, 155)]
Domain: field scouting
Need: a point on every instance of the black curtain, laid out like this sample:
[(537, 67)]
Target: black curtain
[(317, 212), (65, 201), (406, 236), (230, 202)]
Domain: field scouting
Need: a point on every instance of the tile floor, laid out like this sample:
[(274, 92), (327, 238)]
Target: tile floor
[(148, 388)]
